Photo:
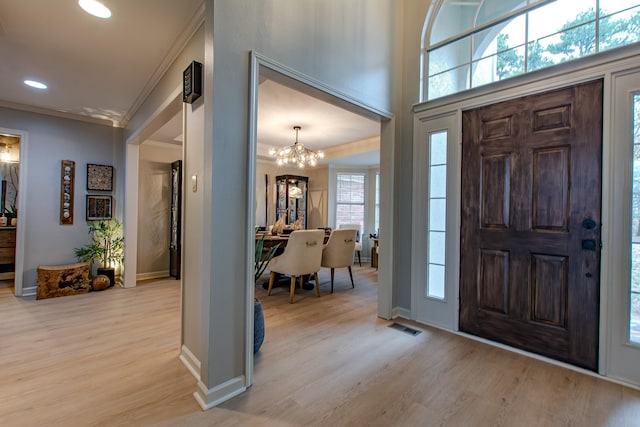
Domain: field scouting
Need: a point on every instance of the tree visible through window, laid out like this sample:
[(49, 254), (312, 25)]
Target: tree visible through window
[(634, 323), (530, 37)]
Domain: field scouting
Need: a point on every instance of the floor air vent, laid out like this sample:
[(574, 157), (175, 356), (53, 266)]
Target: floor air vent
[(405, 329)]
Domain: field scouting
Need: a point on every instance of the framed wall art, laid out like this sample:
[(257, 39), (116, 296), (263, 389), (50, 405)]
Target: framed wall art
[(67, 174), (99, 177), (99, 207)]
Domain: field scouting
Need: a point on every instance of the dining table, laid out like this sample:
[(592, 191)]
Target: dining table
[(271, 240)]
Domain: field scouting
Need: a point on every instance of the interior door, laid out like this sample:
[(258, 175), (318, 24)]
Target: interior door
[(175, 244), (530, 223)]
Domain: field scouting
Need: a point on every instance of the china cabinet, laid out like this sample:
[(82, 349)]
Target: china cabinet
[(291, 198)]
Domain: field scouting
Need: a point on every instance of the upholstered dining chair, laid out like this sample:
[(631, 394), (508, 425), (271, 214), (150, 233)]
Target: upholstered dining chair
[(338, 252), (301, 256), (358, 248)]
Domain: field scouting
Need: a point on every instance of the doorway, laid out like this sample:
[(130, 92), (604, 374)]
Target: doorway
[(150, 153), (530, 223), (263, 68), (13, 146)]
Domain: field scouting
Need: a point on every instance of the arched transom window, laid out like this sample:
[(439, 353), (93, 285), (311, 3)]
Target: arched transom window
[(469, 43)]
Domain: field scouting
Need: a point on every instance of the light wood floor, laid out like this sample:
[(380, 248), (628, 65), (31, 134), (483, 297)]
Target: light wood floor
[(111, 359)]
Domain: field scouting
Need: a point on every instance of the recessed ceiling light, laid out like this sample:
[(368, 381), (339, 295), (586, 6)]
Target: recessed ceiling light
[(95, 8), (36, 84)]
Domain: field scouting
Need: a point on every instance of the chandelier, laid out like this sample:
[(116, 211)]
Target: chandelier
[(296, 154)]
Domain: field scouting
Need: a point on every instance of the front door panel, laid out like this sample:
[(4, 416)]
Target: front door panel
[(530, 223)]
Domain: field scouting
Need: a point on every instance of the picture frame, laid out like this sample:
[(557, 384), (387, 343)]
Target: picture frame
[(67, 183), (99, 207), (99, 177)]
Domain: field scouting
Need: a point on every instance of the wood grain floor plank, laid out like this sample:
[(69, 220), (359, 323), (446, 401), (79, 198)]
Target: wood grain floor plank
[(111, 359)]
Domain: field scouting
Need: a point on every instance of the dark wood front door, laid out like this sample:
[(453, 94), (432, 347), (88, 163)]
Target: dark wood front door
[(175, 241), (530, 233)]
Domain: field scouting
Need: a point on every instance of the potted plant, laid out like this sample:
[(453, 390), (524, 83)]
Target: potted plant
[(261, 261), (12, 214), (106, 247)]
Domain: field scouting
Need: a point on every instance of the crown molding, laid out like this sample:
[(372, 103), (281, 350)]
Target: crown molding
[(173, 53), (56, 113)]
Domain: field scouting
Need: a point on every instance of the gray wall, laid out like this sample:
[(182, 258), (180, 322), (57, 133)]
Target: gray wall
[(137, 128), (366, 49), (414, 15), (350, 46), (50, 140), (154, 204)]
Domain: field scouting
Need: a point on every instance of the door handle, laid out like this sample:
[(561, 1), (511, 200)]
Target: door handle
[(588, 224), (589, 244)]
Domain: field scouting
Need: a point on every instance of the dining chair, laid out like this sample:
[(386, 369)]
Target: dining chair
[(358, 248), (301, 256), (338, 252)]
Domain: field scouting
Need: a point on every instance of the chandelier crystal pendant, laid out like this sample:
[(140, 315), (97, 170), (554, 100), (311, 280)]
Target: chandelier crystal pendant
[(296, 154)]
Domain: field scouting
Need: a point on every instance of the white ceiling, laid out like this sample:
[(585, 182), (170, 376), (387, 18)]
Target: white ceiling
[(103, 69), (323, 125), (100, 68)]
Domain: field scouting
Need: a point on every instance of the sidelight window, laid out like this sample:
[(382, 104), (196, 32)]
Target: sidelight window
[(634, 315), (437, 212)]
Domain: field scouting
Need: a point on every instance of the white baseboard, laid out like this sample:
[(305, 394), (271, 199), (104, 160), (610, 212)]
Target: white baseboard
[(400, 312), (208, 398), (29, 291), (190, 361), (152, 275)]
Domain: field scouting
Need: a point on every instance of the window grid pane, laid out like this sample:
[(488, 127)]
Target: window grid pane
[(350, 196), (557, 32), (634, 309), (437, 215), (449, 82)]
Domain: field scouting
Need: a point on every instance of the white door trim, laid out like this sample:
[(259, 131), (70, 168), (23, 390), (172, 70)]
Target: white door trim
[(431, 311), (171, 106), (22, 209), (306, 83), (622, 357)]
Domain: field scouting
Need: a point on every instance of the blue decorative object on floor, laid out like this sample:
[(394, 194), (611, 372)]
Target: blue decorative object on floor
[(258, 325)]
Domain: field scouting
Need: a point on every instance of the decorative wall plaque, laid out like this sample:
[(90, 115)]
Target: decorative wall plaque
[(67, 174), (99, 177), (99, 207)]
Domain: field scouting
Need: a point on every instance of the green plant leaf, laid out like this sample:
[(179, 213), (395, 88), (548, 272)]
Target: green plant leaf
[(262, 259), (106, 246)]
